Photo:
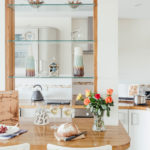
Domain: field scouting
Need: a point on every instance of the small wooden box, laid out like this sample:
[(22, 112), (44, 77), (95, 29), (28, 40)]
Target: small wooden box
[(9, 107)]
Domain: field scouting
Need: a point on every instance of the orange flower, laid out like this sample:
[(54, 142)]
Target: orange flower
[(108, 99), (87, 101), (87, 93), (109, 91)]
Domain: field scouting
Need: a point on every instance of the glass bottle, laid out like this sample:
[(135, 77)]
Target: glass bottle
[(54, 68), (78, 62), (30, 64)]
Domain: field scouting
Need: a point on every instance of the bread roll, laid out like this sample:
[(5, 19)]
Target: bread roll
[(67, 129)]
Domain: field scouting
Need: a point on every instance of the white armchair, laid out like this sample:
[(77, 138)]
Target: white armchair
[(55, 147), (24, 146)]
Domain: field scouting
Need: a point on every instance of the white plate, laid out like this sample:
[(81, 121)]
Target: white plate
[(11, 130)]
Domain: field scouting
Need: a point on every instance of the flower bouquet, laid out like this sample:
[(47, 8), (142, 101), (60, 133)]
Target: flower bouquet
[(98, 105)]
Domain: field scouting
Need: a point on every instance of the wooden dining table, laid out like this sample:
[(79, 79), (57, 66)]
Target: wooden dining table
[(39, 136)]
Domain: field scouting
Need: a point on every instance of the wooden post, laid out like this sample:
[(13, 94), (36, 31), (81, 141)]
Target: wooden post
[(9, 46), (95, 43)]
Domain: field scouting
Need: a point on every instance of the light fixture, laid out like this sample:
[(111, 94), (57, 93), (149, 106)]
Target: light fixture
[(137, 3)]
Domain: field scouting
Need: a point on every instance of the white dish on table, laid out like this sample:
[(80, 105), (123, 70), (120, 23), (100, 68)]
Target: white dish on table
[(10, 130)]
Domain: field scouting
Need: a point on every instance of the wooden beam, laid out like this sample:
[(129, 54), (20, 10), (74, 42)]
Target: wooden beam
[(95, 43), (9, 46)]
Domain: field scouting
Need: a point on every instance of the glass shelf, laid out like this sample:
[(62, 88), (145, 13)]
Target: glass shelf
[(53, 7), (52, 41), (52, 77)]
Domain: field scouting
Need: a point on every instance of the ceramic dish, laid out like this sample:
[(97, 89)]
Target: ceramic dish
[(10, 130)]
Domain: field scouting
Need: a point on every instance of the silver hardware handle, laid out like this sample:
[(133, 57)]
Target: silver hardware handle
[(134, 119)]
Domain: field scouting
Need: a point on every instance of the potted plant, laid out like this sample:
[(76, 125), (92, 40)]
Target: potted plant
[(97, 105)]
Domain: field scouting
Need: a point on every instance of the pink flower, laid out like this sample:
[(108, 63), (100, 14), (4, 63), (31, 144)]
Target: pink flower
[(110, 91), (87, 101), (97, 96)]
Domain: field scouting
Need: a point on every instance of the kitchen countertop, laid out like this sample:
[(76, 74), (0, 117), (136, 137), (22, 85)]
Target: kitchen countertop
[(123, 104), (29, 104), (39, 136)]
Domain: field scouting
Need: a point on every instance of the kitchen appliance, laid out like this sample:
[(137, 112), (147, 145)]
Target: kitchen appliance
[(140, 100), (147, 93), (37, 95)]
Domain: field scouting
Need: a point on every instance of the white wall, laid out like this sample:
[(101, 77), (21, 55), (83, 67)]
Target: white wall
[(134, 51), (108, 52), (2, 45)]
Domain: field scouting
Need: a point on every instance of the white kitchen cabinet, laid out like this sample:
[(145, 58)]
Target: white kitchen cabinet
[(124, 118), (27, 113), (139, 129)]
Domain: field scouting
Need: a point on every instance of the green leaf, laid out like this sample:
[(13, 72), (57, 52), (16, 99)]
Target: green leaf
[(104, 107), (91, 109), (99, 112), (108, 113), (88, 106)]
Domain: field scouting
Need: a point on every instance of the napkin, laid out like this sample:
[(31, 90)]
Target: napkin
[(10, 136)]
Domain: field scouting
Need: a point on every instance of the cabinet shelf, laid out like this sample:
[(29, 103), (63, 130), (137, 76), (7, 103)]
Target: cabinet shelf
[(53, 7), (52, 41), (51, 77)]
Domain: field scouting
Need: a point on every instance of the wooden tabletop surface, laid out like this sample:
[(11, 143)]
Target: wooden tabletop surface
[(40, 136)]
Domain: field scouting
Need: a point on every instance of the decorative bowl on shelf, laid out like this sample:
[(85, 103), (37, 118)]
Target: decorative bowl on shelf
[(74, 3), (36, 3)]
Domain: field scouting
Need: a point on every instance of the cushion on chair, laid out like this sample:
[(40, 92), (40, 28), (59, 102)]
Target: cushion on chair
[(55, 147), (24, 146)]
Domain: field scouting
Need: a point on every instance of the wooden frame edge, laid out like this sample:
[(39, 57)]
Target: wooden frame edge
[(95, 43), (9, 46)]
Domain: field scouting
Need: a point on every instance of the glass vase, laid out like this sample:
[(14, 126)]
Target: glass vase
[(78, 62), (98, 123)]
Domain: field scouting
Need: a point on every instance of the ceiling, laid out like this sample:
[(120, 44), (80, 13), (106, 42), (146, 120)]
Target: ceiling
[(137, 9)]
